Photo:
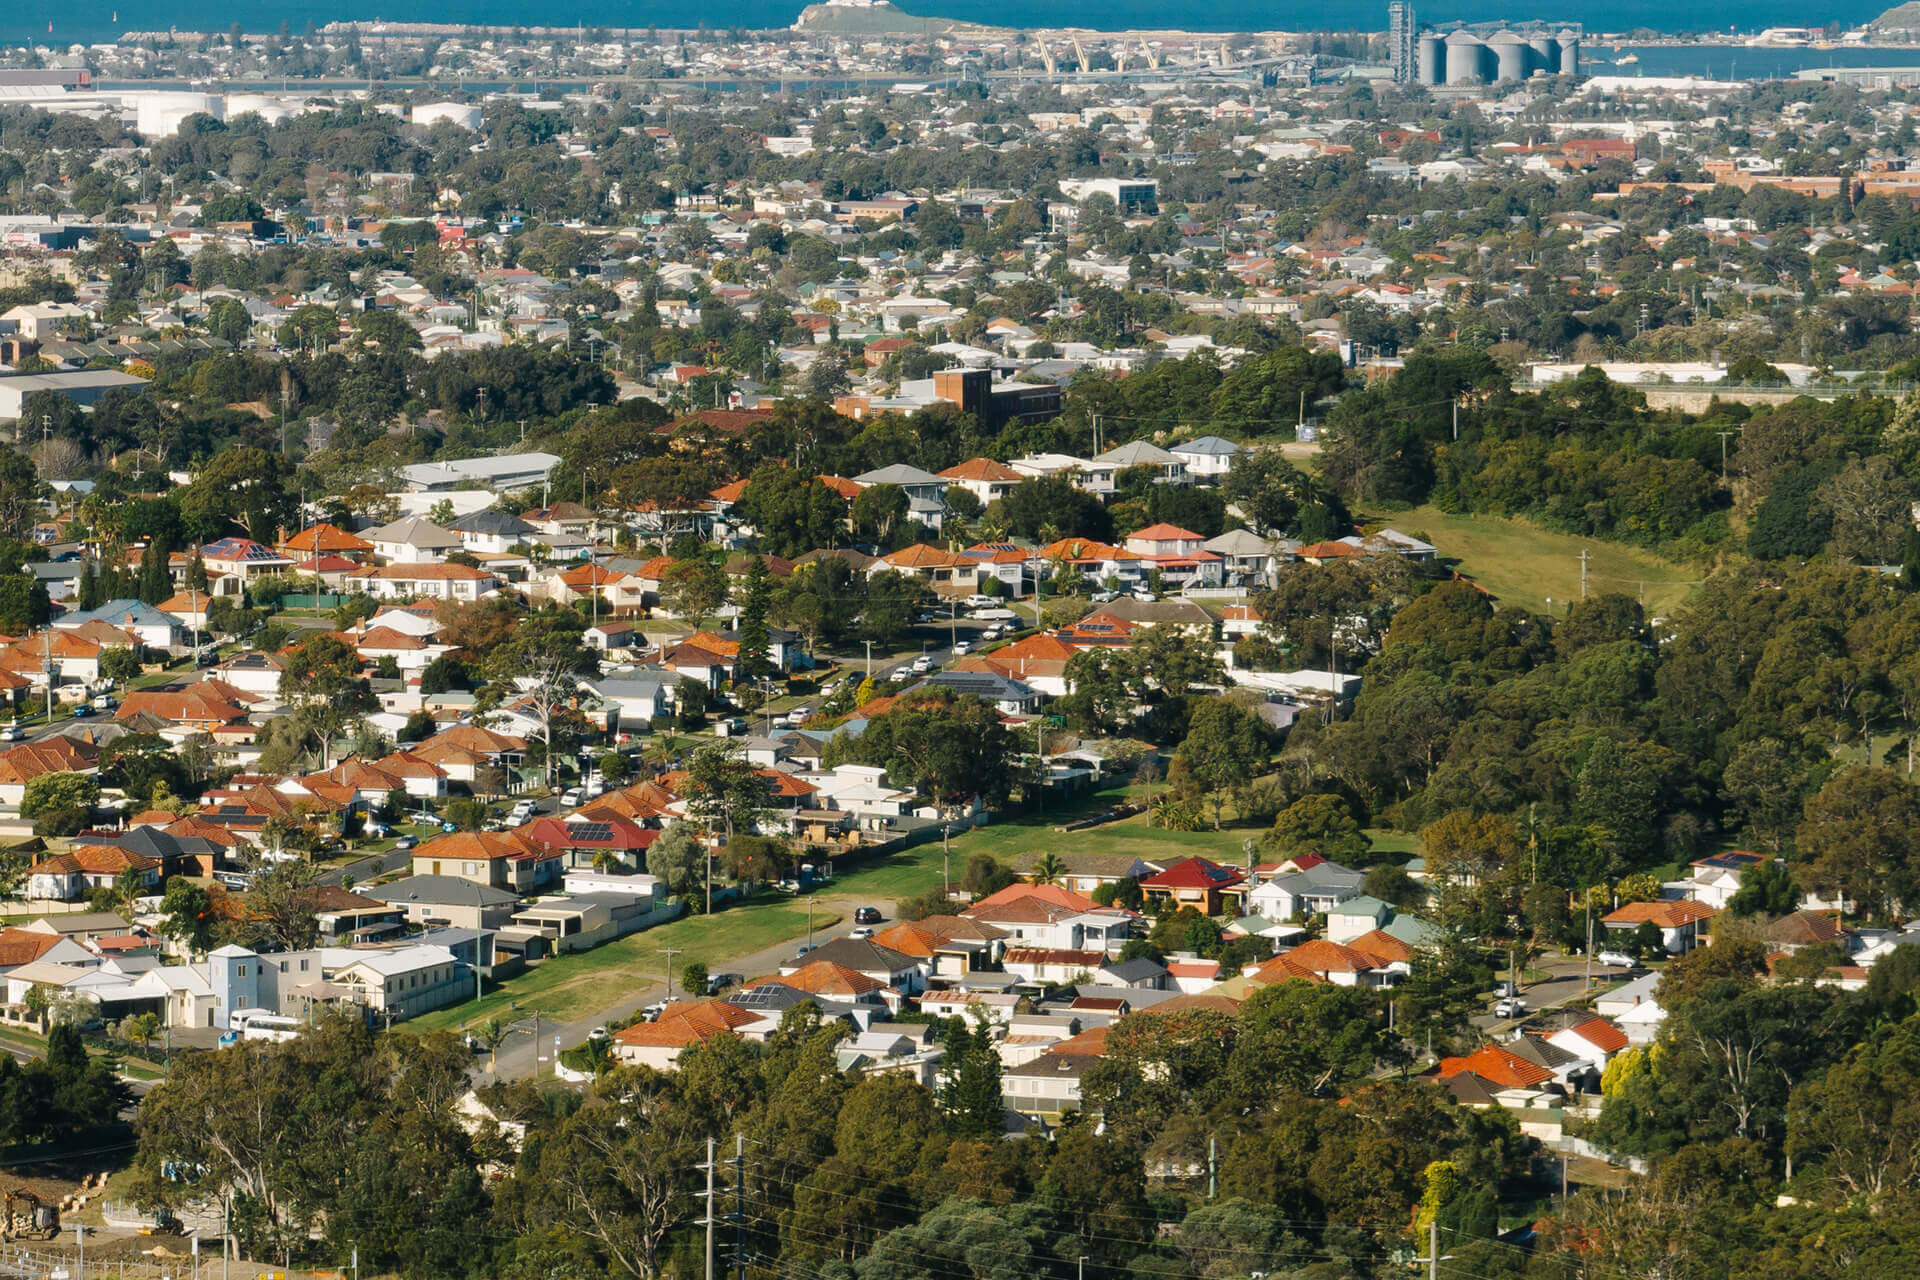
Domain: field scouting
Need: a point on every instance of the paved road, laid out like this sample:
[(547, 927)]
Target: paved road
[(370, 867), (1567, 986), (517, 1056)]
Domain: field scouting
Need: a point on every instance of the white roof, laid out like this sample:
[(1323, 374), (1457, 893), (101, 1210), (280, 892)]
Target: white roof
[(403, 960)]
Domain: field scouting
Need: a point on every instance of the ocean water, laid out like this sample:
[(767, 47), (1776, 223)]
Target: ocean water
[(88, 21)]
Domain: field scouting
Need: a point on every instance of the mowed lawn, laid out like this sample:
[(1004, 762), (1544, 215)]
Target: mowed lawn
[(1525, 565), (582, 983)]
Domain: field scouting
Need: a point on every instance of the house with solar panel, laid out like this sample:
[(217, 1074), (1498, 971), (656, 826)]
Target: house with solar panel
[(233, 562)]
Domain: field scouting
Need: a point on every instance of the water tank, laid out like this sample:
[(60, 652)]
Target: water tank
[(158, 114), (1546, 54), (1431, 59), (1464, 55), (1509, 56), (1569, 54)]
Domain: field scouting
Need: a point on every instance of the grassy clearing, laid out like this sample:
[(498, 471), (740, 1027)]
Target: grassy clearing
[(1525, 565), (575, 986)]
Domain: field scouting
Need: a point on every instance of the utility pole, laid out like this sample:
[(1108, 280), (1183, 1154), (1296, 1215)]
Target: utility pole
[(1723, 455), (1583, 572), (1456, 417), (708, 1166), (670, 953), (869, 659), (740, 1205), (1213, 1166)]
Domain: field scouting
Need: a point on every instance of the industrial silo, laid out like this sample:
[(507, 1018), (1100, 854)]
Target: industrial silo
[(1569, 54), (1546, 54), (1509, 54), (1465, 53), (1431, 60)]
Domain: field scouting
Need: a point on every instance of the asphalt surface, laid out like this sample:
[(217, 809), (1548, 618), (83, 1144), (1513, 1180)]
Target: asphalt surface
[(1566, 986)]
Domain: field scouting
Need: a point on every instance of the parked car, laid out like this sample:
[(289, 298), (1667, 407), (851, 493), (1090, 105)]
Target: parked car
[(923, 664), (1511, 1008), (961, 649), (867, 915), (718, 982), (82, 711), (1104, 597), (1615, 959), (104, 702), (861, 934), (572, 798), (800, 953), (406, 842), (1505, 989), (599, 1033), (979, 602), (12, 733)]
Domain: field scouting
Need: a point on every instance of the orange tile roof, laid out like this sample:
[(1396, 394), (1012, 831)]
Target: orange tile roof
[(57, 754), (982, 469), (1164, 532), (1496, 1065), (920, 555), (682, 1025), (1321, 956), (1601, 1034), (94, 860), (325, 539), (1382, 947), (1667, 915), (825, 978), (1051, 894), (24, 946), (481, 846)]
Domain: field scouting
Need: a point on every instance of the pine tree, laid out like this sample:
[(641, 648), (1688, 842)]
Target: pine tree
[(89, 588), (755, 663), (971, 1092), (156, 583)]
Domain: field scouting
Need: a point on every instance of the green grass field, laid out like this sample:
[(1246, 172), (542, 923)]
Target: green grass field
[(577, 985), (1526, 565)]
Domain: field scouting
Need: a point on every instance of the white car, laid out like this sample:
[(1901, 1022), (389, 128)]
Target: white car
[(962, 649), (861, 934), (1511, 1008), (1615, 959)]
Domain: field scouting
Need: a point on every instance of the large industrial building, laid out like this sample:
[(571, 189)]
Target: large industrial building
[(1466, 56)]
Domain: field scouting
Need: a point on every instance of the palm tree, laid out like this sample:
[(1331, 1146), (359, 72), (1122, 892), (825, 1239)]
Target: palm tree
[(1048, 869), (140, 1028), (491, 1035)]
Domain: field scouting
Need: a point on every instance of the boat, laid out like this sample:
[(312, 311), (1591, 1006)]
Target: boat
[(1627, 61)]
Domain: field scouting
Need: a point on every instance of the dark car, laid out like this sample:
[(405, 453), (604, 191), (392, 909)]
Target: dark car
[(867, 915)]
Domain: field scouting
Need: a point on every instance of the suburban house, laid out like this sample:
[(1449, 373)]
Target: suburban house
[(1678, 921), (406, 580), (1194, 882)]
